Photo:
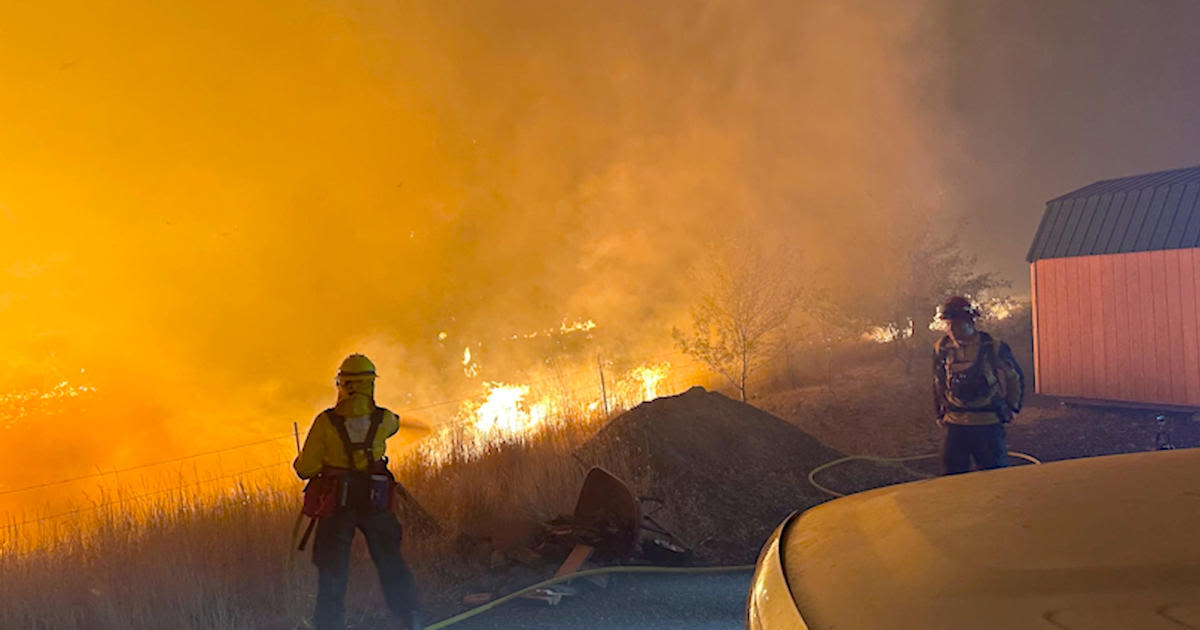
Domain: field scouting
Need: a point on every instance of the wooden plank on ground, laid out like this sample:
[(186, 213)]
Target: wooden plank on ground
[(575, 559)]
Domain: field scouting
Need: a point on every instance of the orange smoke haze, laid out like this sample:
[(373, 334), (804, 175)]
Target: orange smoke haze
[(205, 206)]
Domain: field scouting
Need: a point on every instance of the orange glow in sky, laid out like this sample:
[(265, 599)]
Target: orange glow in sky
[(205, 206)]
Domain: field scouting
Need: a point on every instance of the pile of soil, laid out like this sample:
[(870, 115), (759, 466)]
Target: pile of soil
[(727, 472)]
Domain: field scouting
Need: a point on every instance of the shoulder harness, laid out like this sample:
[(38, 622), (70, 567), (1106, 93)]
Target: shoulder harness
[(367, 446)]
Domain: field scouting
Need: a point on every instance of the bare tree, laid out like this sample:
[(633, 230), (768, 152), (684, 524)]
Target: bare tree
[(932, 267), (739, 317), (832, 321)]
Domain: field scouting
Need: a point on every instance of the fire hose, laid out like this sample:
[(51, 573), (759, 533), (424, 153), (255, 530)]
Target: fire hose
[(580, 574), (888, 460)]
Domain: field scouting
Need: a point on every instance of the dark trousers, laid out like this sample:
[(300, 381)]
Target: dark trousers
[(331, 554), (984, 443)]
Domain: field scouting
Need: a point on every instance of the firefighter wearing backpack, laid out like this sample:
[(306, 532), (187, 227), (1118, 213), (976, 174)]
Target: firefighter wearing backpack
[(350, 488), (977, 387)]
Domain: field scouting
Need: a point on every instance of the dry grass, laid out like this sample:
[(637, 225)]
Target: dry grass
[(198, 562), (186, 560), (190, 560)]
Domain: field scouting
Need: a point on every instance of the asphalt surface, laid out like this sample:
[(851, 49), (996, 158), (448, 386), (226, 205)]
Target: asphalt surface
[(714, 601)]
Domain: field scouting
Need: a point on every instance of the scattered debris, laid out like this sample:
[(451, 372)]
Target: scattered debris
[(475, 599), (575, 560), (551, 595), (608, 520)]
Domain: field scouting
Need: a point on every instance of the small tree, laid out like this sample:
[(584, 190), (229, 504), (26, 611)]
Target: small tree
[(737, 321)]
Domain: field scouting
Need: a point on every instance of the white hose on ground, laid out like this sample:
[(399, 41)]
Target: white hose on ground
[(888, 460)]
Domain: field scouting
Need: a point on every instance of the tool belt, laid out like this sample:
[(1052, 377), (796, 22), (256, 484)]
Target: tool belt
[(998, 407), (338, 489), (989, 409)]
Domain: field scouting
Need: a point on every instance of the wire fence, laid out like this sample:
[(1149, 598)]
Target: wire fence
[(164, 462), (235, 447), (121, 501)]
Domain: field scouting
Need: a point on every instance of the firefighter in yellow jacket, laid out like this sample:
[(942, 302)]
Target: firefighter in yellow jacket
[(977, 387), (343, 457)]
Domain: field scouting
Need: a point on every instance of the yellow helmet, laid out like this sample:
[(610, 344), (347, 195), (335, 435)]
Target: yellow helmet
[(356, 367)]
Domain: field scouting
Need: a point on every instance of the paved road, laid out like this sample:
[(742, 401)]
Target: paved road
[(714, 601)]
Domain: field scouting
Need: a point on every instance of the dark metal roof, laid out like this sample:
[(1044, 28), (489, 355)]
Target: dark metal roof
[(1129, 214)]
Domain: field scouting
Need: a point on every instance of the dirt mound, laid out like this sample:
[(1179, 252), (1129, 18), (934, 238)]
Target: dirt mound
[(727, 472)]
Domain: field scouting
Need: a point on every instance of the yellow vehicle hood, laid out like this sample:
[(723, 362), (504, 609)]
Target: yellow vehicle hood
[(1105, 542)]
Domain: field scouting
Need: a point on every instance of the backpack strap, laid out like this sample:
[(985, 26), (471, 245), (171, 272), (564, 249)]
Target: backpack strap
[(987, 352), (339, 423), (367, 445)]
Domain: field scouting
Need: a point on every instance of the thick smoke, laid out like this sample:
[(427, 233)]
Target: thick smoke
[(207, 206)]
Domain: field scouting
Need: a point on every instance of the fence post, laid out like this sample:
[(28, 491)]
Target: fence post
[(603, 388)]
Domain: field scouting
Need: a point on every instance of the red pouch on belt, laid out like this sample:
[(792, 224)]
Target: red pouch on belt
[(321, 494)]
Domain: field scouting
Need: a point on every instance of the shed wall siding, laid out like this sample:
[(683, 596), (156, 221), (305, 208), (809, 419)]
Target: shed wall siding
[(1119, 327)]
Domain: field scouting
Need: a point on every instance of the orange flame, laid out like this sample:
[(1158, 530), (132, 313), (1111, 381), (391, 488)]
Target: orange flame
[(470, 368), (16, 406), (651, 376)]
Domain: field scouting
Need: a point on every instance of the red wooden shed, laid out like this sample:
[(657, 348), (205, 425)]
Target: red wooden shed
[(1115, 272)]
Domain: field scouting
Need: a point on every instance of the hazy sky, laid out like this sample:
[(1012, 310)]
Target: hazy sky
[(207, 205), (1046, 97)]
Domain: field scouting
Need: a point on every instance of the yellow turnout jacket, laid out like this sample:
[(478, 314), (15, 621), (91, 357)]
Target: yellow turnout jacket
[(323, 446)]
